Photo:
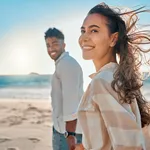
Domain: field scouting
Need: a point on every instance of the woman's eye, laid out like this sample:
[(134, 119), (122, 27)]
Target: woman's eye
[(94, 30), (82, 31)]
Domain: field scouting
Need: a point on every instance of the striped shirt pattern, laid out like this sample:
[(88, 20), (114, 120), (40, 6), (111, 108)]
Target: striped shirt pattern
[(106, 123)]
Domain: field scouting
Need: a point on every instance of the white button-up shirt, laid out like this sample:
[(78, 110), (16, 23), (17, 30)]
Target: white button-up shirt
[(67, 90)]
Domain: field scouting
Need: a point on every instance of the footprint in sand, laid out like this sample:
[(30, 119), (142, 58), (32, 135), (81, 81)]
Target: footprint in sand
[(4, 140), (33, 115), (12, 148), (34, 140)]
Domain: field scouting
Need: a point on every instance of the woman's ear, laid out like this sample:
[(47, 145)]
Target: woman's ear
[(114, 39)]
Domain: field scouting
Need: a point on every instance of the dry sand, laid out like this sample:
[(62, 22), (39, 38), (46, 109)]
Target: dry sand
[(25, 124)]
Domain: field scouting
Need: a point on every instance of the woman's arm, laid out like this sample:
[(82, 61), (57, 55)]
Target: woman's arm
[(123, 130)]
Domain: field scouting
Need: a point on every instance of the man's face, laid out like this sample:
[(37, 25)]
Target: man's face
[(55, 47)]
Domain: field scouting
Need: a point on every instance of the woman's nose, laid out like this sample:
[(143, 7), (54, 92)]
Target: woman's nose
[(85, 37)]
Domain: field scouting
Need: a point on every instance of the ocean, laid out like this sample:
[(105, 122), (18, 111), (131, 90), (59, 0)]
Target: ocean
[(31, 86), (146, 89), (34, 86)]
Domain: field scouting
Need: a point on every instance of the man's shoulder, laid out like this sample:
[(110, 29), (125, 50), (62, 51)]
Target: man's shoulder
[(69, 61), (69, 58)]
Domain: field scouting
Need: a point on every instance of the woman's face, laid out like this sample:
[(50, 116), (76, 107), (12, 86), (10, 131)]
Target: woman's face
[(95, 41)]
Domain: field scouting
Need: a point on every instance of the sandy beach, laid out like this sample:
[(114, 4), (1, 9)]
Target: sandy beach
[(25, 124)]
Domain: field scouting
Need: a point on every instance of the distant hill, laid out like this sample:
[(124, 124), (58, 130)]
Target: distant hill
[(33, 73)]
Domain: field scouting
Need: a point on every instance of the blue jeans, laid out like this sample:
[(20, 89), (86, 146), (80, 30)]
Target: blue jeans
[(59, 141)]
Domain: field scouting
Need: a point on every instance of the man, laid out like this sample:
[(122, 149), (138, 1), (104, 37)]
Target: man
[(67, 89)]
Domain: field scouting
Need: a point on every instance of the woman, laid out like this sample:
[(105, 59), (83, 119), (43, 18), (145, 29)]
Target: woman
[(113, 110)]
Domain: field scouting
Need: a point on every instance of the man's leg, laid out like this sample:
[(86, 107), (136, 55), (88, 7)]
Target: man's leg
[(59, 141)]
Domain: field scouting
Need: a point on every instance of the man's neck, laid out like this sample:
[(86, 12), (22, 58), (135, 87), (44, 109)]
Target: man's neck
[(59, 56)]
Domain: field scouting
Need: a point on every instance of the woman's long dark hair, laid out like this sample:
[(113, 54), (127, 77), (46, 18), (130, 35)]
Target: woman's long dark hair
[(127, 79)]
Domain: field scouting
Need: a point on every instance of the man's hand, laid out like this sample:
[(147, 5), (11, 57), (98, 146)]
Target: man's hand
[(71, 127), (71, 142)]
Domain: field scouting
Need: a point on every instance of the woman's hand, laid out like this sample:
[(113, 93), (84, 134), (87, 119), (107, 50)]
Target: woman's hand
[(79, 147), (71, 142)]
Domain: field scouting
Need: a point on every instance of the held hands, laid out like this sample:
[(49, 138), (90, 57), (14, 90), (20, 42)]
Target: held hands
[(71, 142), (79, 147)]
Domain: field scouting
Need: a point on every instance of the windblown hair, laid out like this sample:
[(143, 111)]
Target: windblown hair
[(53, 32), (127, 78)]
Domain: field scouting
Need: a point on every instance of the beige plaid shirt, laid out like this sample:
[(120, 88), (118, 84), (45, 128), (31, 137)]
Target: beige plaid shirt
[(106, 123)]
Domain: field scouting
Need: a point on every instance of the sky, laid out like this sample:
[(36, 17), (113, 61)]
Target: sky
[(22, 27)]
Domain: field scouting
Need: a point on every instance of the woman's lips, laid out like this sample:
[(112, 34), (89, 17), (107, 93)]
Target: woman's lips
[(87, 47)]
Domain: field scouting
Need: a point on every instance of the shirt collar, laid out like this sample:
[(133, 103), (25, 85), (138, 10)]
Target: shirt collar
[(61, 56), (112, 65)]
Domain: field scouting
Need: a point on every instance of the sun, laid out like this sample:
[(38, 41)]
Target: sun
[(22, 62)]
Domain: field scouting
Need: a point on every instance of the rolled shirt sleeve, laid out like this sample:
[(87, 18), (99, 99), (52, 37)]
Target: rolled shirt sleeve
[(121, 123), (70, 75)]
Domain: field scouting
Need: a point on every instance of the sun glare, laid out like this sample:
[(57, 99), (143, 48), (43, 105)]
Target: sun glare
[(22, 62)]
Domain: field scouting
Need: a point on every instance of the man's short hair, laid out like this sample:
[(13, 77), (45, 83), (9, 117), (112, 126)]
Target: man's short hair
[(53, 32)]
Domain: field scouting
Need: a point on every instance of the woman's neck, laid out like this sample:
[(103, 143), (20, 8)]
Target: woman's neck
[(100, 63)]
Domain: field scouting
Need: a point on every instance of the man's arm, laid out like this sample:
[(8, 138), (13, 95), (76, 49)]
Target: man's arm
[(70, 75), (71, 127), (123, 130)]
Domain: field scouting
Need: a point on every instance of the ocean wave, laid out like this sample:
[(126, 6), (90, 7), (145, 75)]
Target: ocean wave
[(25, 81)]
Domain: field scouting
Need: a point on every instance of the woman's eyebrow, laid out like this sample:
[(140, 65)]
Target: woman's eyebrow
[(91, 26)]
